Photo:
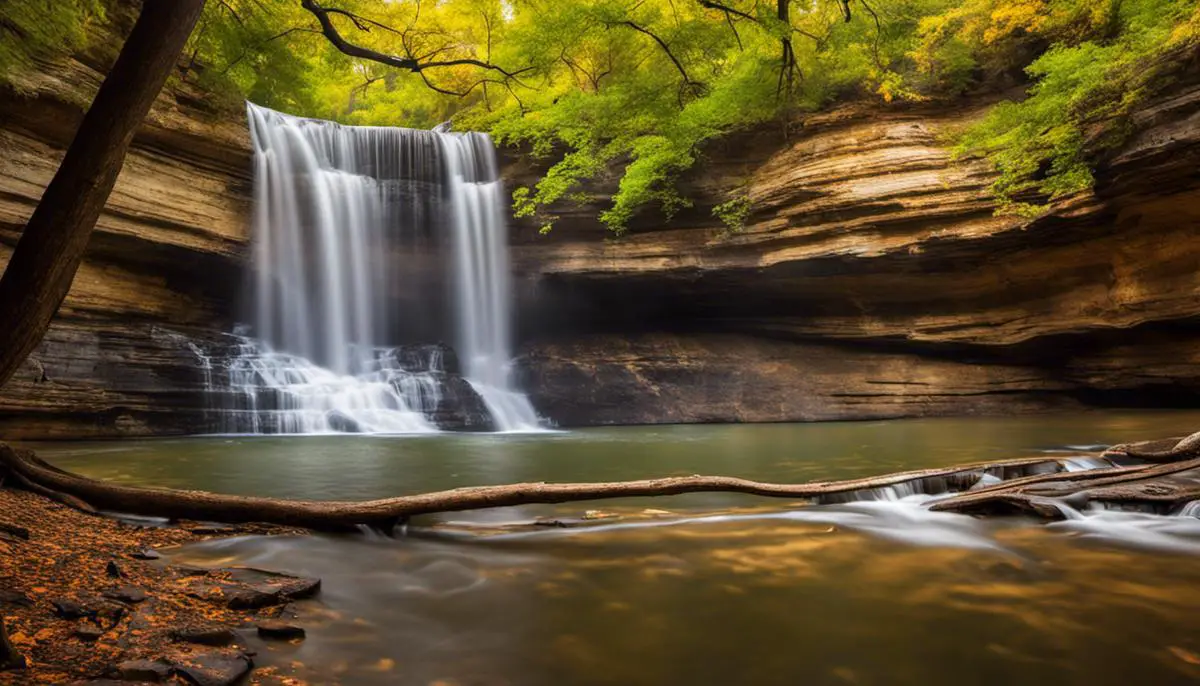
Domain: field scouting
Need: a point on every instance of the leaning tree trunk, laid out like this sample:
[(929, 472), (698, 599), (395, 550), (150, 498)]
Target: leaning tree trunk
[(9, 657), (44, 263)]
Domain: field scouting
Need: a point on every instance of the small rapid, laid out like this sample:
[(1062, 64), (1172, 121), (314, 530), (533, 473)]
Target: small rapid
[(271, 392)]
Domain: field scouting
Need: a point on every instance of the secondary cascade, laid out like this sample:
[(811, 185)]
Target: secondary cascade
[(347, 223)]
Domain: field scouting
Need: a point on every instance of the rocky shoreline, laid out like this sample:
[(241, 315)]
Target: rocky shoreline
[(88, 600)]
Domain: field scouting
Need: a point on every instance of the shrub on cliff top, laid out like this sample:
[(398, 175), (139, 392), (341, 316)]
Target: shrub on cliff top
[(1113, 58)]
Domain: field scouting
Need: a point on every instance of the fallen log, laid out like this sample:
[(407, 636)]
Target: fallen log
[(90, 495), (1028, 487)]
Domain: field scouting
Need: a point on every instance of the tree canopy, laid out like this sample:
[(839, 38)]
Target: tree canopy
[(641, 85)]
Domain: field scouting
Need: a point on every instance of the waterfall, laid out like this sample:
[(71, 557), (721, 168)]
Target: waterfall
[(348, 227), (481, 277)]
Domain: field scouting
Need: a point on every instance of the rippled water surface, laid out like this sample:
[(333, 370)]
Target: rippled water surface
[(757, 592)]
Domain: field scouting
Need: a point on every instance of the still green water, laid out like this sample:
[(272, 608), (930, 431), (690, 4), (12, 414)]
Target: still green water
[(866, 593)]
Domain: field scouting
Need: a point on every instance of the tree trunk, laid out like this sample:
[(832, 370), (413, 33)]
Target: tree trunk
[(44, 263)]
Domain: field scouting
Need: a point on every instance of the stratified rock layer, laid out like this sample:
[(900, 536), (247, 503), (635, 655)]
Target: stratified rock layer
[(873, 279), (162, 267)]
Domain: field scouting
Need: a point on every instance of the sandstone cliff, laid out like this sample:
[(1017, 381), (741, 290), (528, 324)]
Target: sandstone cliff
[(873, 279), (162, 267)]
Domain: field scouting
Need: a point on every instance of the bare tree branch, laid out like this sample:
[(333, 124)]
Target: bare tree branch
[(408, 63), (232, 13), (732, 27)]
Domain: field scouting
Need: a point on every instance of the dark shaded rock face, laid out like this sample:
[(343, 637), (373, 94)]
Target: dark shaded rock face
[(872, 280)]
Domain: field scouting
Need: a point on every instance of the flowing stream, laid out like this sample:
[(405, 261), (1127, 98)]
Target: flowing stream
[(712, 588), (348, 227)]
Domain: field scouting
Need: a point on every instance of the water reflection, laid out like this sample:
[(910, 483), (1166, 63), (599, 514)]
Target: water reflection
[(745, 601)]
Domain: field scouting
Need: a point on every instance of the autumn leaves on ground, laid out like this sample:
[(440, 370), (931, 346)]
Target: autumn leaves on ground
[(86, 599)]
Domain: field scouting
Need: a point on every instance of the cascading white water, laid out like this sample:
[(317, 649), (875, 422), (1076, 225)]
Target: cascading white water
[(335, 207), (481, 278)]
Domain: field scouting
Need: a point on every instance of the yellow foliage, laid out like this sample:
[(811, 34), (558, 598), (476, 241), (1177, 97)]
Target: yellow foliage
[(1019, 15)]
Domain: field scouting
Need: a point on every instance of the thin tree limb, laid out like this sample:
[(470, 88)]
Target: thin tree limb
[(733, 27), (697, 88), (878, 33)]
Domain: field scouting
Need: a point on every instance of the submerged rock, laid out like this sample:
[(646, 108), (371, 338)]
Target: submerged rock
[(281, 631), (286, 586)]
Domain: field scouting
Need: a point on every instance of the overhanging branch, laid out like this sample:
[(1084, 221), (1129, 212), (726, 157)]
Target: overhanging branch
[(407, 62)]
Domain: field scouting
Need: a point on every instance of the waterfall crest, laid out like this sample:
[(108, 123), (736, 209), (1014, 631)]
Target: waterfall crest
[(348, 222)]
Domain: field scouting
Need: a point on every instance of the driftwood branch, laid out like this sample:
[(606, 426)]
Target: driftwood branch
[(332, 515), (1165, 450), (1035, 485)]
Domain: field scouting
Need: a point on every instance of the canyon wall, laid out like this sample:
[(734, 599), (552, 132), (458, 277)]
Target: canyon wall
[(872, 278)]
